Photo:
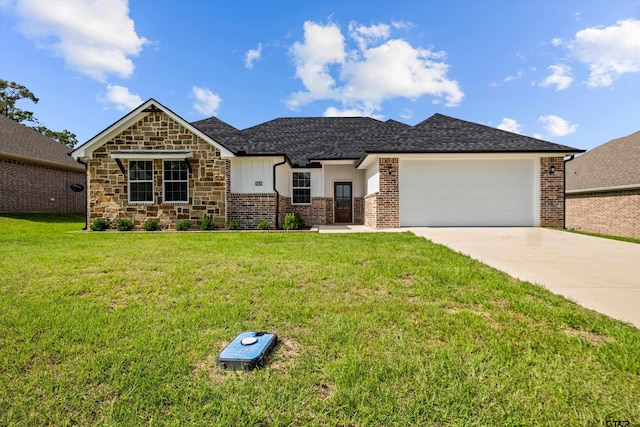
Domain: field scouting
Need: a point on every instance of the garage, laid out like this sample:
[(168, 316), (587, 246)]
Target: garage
[(469, 193)]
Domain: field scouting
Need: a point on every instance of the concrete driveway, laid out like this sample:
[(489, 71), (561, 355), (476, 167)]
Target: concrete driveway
[(597, 273)]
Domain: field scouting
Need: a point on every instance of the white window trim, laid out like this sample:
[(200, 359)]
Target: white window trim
[(296, 188), (139, 202), (164, 181)]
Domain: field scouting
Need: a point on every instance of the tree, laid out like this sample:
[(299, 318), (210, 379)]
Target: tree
[(12, 92)]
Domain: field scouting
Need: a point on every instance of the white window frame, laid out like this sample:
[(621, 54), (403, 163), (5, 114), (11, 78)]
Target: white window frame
[(165, 181), (294, 187), (130, 181)]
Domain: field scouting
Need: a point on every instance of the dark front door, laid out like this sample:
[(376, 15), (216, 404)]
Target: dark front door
[(342, 200)]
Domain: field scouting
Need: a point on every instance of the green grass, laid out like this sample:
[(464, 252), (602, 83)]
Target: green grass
[(604, 236), (376, 329)]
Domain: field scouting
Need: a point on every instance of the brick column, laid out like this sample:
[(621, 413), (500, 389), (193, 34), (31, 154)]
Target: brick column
[(388, 203), (552, 192)]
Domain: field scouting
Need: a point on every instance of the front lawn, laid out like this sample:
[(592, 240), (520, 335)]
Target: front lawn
[(376, 329)]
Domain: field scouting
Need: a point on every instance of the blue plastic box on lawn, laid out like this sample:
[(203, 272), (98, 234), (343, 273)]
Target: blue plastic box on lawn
[(247, 351)]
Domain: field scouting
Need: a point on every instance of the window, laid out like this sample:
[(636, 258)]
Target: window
[(141, 181), (176, 181), (302, 187)]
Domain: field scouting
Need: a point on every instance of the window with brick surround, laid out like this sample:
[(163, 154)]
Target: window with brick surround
[(141, 181), (301, 188), (175, 182)]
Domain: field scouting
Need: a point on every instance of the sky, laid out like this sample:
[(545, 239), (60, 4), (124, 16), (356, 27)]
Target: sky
[(563, 71)]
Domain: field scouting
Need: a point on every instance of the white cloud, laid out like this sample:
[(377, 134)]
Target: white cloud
[(556, 41), (363, 77), (96, 37), (334, 112), (207, 102), (122, 98), (510, 125), (252, 55), (557, 126), (366, 35), (609, 52), (518, 75), (406, 114), (515, 76), (322, 47), (560, 77)]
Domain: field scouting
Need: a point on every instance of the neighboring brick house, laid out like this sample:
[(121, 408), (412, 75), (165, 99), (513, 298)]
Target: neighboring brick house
[(440, 172), (603, 189), (36, 173)]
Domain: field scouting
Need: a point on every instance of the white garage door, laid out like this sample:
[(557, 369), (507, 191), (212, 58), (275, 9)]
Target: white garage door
[(447, 193)]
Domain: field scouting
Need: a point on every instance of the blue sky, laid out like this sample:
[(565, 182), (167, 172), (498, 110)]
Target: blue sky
[(563, 71)]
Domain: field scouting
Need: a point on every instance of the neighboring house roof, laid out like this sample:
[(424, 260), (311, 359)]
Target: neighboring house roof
[(19, 142), (610, 165)]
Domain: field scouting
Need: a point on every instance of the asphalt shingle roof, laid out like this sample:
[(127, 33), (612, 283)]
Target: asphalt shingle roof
[(328, 138), (611, 164), (21, 142)]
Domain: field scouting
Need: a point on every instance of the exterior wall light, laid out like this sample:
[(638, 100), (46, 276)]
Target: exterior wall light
[(552, 169), (390, 168)]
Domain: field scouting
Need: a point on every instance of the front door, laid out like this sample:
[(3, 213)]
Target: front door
[(342, 201)]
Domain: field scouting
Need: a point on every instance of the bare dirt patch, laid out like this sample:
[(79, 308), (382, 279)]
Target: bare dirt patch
[(284, 354), (590, 337)]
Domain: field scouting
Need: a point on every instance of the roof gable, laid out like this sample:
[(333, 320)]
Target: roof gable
[(614, 163), (148, 107), (20, 142)]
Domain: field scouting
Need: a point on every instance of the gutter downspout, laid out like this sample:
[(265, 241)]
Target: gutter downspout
[(284, 160), (564, 195), (86, 188)]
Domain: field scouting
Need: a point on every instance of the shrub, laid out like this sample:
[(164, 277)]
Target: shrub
[(293, 221), (208, 224), (151, 225), (183, 225), (233, 225), (263, 225), (99, 224), (124, 224)]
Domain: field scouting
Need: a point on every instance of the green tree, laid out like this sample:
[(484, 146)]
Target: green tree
[(12, 92)]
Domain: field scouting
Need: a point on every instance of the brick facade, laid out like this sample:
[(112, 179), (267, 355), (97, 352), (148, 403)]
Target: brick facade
[(29, 187), (552, 192), (250, 209), (208, 181), (388, 200), (615, 213), (319, 212), (371, 210)]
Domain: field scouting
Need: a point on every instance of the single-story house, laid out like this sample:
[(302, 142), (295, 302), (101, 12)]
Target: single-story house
[(385, 174), (37, 174), (603, 188)]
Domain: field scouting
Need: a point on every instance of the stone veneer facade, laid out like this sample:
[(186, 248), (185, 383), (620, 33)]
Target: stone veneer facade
[(208, 181), (616, 213), (552, 192)]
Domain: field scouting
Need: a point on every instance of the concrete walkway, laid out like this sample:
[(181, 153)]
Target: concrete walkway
[(597, 273)]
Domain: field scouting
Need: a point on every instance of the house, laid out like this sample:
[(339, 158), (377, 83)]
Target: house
[(603, 188), (440, 172), (37, 174)]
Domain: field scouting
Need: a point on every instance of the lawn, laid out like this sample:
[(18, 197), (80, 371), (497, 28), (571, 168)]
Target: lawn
[(376, 329)]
